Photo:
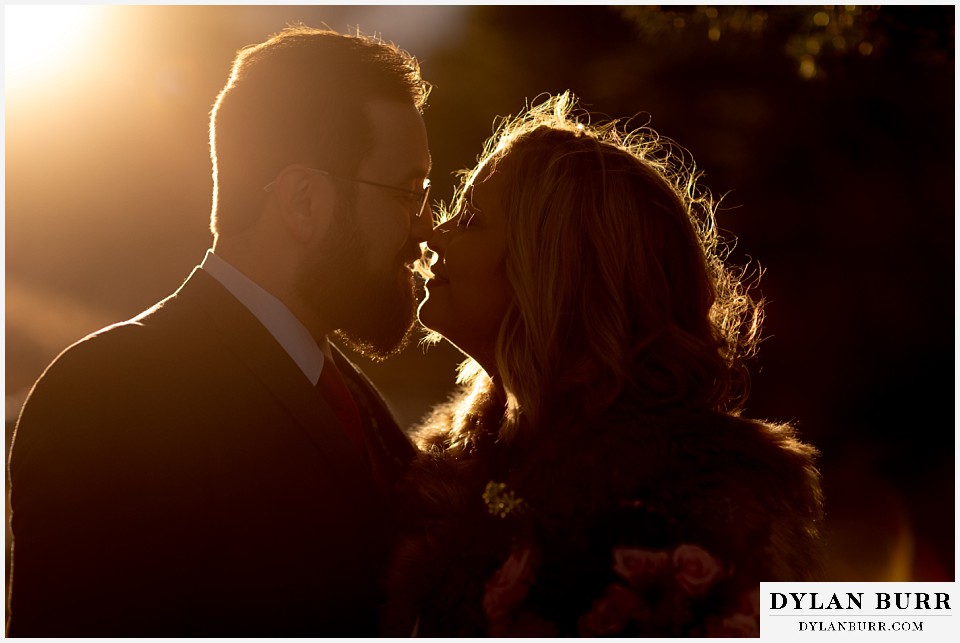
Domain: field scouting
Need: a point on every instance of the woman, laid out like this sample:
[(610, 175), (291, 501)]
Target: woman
[(594, 477)]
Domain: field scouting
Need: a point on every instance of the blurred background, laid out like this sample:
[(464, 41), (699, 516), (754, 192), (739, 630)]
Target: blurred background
[(829, 129)]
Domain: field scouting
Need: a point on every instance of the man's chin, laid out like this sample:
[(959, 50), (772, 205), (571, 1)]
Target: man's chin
[(387, 325), (377, 349)]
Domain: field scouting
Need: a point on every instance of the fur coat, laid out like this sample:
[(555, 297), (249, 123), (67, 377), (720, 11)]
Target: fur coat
[(633, 524)]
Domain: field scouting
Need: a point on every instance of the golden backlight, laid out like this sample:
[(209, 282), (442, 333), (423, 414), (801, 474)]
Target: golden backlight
[(45, 39)]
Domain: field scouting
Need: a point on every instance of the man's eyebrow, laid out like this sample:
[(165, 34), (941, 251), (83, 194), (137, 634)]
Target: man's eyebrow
[(412, 176), (418, 172)]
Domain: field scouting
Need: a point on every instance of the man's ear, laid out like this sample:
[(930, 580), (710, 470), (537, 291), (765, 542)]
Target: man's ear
[(306, 202)]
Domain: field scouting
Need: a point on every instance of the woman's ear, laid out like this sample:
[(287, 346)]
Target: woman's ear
[(306, 200)]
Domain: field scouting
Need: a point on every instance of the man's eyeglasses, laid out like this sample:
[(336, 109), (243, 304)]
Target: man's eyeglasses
[(419, 196)]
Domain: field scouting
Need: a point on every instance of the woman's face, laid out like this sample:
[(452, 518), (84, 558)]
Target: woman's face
[(469, 294)]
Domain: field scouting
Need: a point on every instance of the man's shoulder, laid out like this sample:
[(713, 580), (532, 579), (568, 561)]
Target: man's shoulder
[(132, 373), (171, 330), (123, 341), (164, 326)]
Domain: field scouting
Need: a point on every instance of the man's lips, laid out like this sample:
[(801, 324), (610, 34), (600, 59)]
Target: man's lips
[(412, 257)]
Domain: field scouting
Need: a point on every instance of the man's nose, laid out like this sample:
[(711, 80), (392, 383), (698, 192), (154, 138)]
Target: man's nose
[(421, 227)]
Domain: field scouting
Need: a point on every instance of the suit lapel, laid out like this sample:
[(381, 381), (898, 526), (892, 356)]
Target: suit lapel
[(253, 345), (389, 448)]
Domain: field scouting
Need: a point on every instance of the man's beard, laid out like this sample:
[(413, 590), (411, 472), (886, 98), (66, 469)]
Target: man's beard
[(384, 317), (374, 313)]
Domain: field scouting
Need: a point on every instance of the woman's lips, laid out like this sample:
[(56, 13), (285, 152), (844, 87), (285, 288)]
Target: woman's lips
[(437, 279)]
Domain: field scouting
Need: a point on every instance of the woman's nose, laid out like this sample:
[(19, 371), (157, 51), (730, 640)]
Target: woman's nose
[(437, 239)]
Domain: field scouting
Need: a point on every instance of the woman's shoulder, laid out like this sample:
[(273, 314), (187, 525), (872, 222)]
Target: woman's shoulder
[(465, 426), (679, 443), (710, 454), (629, 447), (432, 433), (733, 484)]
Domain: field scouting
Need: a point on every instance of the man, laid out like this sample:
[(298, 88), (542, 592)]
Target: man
[(181, 473)]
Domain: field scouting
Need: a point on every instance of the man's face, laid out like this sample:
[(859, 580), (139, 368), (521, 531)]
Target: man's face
[(361, 266)]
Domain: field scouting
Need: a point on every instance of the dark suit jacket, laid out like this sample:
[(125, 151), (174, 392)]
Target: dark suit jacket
[(177, 475)]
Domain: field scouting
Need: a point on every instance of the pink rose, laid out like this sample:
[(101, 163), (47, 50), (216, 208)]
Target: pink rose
[(509, 586), (610, 613), (735, 626), (634, 564), (696, 569)]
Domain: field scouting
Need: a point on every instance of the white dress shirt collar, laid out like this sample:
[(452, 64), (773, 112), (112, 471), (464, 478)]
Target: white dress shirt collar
[(289, 332)]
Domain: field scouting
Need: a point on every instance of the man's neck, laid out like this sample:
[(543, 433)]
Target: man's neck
[(275, 272), (307, 350)]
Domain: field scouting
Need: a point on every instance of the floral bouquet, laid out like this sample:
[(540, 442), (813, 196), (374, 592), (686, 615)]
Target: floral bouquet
[(657, 593), (675, 590)]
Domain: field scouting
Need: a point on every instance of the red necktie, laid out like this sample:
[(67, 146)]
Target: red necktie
[(335, 391)]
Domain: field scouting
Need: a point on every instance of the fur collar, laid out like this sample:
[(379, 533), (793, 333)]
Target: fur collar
[(747, 491)]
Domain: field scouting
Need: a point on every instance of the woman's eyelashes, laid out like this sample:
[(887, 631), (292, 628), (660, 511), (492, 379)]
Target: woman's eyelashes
[(466, 216)]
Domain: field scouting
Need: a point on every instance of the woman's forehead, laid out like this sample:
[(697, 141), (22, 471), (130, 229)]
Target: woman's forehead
[(485, 172), (486, 181)]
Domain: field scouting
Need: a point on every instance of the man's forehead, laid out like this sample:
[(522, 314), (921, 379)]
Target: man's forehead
[(399, 139)]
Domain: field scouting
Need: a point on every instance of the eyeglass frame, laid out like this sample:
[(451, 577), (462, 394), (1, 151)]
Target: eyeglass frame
[(422, 196)]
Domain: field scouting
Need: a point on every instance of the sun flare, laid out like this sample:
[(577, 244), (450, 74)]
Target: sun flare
[(39, 39)]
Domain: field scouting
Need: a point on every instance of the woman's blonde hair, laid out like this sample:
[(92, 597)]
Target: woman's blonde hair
[(619, 277)]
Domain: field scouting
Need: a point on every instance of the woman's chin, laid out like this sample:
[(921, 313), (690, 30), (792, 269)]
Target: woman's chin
[(427, 314), (435, 317)]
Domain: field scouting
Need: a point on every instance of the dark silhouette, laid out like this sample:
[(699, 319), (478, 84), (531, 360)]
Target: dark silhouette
[(594, 476), (179, 474)]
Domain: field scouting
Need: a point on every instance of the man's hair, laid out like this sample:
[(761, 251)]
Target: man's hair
[(299, 97), (619, 277)]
